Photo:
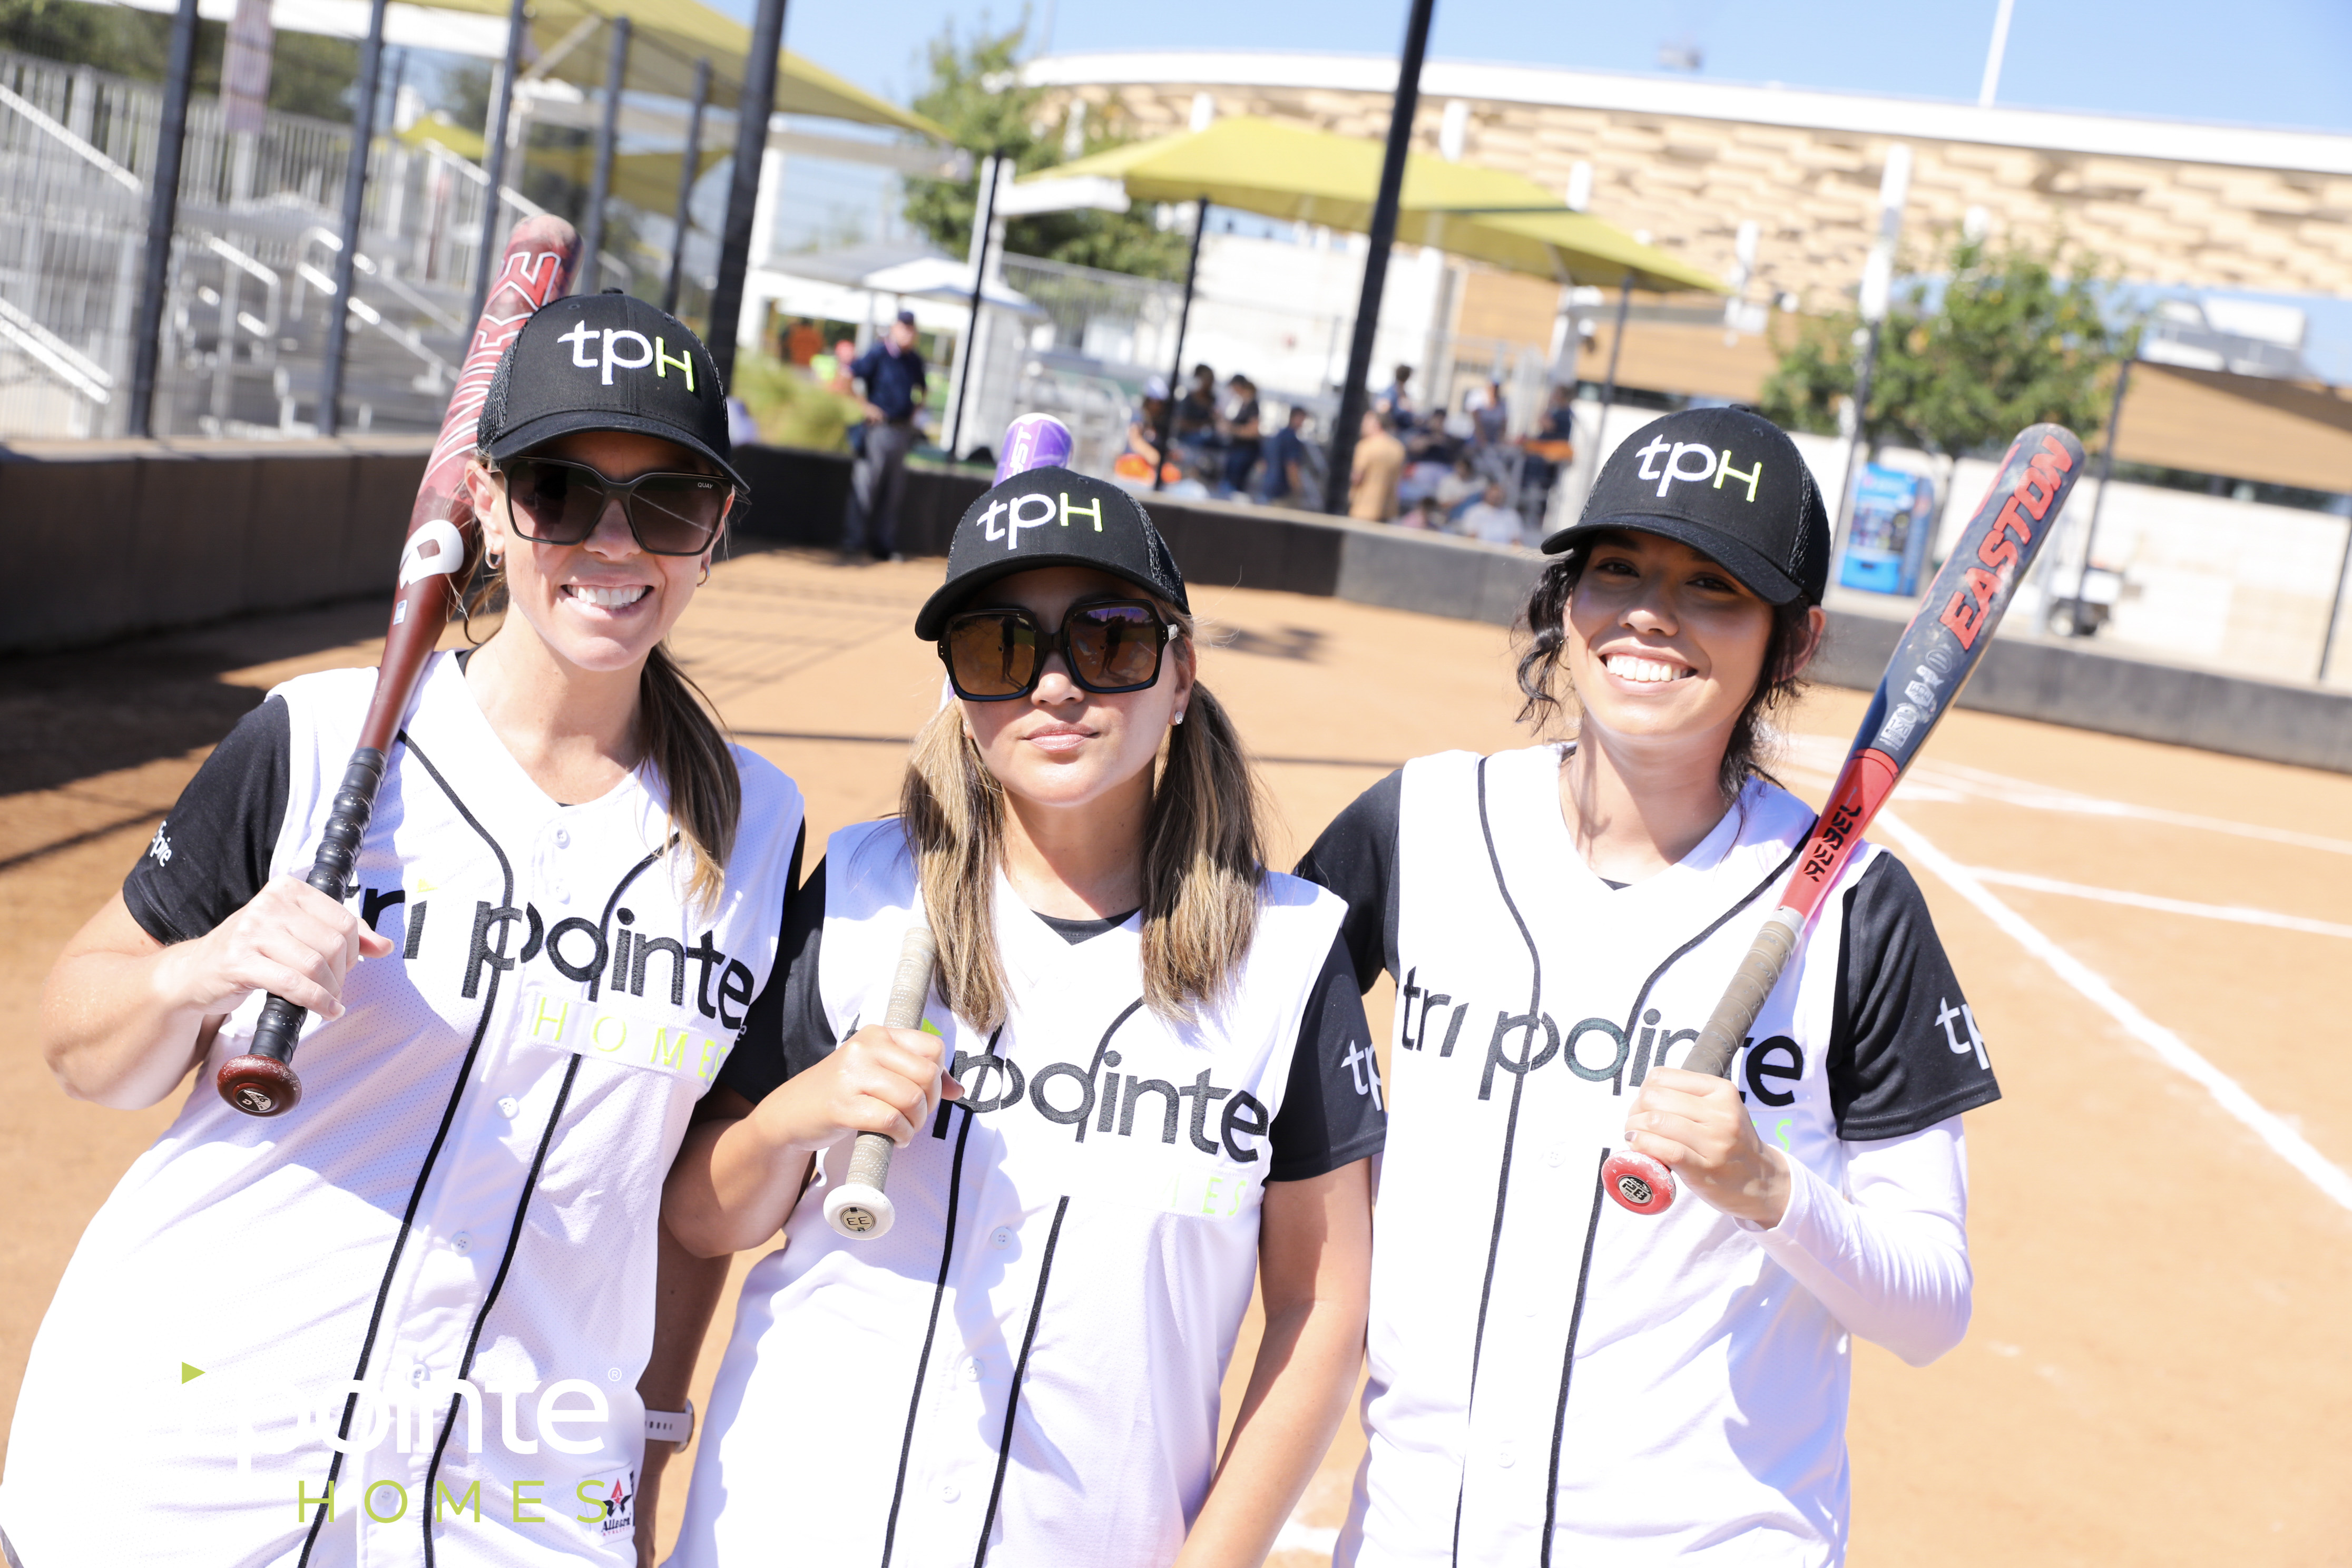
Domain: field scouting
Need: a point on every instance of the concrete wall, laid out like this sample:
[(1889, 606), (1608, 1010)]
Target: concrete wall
[(127, 537)]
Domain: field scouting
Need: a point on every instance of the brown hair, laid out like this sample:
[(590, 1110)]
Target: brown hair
[(678, 731), (1202, 859), (1542, 636)]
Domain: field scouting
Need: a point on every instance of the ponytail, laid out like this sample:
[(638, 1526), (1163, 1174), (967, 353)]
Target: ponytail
[(1202, 860)]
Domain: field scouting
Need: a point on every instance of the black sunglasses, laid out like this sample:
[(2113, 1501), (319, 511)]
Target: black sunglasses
[(669, 514), (1110, 645)]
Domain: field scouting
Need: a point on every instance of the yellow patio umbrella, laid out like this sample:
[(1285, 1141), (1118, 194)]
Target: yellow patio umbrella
[(1316, 177), (670, 36)]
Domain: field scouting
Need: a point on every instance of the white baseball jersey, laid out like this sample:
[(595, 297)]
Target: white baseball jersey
[(430, 1286), (1553, 1379), (1025, 1370)]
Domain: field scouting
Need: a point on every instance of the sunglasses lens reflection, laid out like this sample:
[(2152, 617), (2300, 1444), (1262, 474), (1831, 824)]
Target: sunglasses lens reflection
[(992, 655), (1115, 646)]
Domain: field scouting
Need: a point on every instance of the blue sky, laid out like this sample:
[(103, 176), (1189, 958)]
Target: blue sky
[(2272, 62)]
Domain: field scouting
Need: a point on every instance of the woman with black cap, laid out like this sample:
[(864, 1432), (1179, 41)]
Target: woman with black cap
[(279, 1336), (1554, 1378), (1143, 1084)]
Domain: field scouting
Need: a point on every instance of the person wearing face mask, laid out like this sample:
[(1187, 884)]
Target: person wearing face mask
[(421, 1303), (1552, 1377), (1142, 1085)]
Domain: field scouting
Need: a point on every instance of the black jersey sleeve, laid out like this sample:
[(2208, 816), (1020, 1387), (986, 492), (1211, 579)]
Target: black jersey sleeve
[(788, 1012), (1904, 1048), (211, 855), (1356, 858), (1332, 1111)]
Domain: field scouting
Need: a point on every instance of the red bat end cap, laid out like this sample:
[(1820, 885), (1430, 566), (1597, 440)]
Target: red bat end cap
[(259, 1086), (1636, 1181)]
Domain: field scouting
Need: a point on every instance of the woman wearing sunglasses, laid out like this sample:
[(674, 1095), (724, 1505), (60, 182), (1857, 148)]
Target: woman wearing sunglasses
[(1157, 1091), (1554, 1378), (567, 900)]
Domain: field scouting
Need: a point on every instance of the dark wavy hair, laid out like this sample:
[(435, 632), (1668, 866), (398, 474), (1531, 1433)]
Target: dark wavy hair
[(1541, 637)]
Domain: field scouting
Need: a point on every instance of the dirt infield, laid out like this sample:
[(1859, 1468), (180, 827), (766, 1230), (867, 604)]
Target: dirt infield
[(2149, 937)]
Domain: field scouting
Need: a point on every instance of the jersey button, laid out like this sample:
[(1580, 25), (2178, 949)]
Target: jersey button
[(460, 1242), (1506, 1457), (1559, 1154), (1002, 1235), (510, 1106), (949, 1491), (563, 837)]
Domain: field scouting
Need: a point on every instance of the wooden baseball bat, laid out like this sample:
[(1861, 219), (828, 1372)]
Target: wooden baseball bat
[(859, 1208), (1939, 651), (537, 268)]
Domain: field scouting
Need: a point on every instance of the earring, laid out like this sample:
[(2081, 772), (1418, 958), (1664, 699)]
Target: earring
[(497, 562), (1179, 716), (698, 582)]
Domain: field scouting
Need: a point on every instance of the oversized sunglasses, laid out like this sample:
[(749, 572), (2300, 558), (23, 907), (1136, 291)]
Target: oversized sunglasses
[(550, 501), (1109, 647)]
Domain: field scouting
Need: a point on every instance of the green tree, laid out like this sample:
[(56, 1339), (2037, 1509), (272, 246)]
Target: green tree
[(975, 90), (309, 74), (2004, 338)]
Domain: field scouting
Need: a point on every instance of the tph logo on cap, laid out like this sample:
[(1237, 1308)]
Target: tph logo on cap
[(1664, 461), (1035, 509), (638, 352)]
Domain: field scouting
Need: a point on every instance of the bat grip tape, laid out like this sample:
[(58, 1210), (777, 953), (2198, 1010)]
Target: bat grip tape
[(280, 1024), (1743, 999), (910, 987)]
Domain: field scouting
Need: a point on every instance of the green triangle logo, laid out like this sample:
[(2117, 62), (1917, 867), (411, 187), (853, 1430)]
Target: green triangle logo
[(190, 1373)]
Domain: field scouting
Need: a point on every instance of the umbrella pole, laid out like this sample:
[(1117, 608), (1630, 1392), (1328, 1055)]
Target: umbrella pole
[(1176, 366), (753, 104), (600, 188), (339, 319), (1376, 255), (494, 159), (2098, 505), (983, 219), (688, 170), (1608, 386)]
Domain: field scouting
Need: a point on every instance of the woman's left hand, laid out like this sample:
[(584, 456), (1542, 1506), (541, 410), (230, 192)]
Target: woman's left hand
[(1695, 1125)]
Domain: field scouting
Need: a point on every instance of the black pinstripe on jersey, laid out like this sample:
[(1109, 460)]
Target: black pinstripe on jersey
[(1021, 1369)]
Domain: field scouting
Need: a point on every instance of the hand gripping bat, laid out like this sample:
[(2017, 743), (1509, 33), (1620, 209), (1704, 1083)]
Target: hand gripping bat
[(540, 257), (858, 1208), (1937, 653)]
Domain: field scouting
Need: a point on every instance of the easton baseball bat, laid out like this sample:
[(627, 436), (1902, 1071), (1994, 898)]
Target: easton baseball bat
[(1937, 653), (859, 1208), (537, 268)]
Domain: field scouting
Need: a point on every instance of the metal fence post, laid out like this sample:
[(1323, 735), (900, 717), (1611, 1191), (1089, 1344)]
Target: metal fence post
[(494, 160), (163, 216), (753, 104), (688, 170), (591, 238), (339, 319)]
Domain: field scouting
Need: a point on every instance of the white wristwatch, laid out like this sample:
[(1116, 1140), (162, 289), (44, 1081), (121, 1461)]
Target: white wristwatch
[(675, 1426)]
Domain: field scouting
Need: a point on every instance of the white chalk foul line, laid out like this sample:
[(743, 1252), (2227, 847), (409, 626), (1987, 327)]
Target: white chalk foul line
[(2176, 1053), (2235, 913)]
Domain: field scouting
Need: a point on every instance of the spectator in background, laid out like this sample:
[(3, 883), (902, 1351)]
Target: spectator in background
[(844, 356), (893, 373), (1196, 420), (1455, 492), (804, 340), (1397, 401), (1141, 454), (1492, 417), (1237, 422), (1492, 520), (1286, 463), (1379, 462)]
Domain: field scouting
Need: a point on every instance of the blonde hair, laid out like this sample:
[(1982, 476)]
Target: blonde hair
[(1202, 860), (678, 732)]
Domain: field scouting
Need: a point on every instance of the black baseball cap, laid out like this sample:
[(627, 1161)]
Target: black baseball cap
[(1728, 483), (606, 361), (1052, 517)]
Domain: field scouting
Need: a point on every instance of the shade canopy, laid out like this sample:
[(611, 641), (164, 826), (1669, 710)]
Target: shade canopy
[(1317, 177), (669, 36)]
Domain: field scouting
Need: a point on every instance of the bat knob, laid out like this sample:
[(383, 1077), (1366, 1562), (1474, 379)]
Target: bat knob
[(859, 1211), (1638, 1183), (259, 1086)]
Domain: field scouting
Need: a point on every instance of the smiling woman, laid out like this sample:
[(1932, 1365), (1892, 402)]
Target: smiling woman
[(1550, 1376), (579, 886)]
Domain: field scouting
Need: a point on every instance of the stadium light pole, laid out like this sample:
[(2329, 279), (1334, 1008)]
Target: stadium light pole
[(1376, 257), (608, 130), (1877, 287), (689, 168), (493, 157), (339, 317), (752, 106), (163, 216)]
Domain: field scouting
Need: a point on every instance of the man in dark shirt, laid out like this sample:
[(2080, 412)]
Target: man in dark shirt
[(1285, 456), (892, 372)]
